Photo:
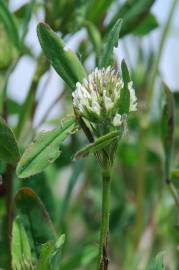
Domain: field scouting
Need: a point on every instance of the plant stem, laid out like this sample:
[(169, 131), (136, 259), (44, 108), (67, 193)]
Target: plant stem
[(103, 245), (8, 177), (173, 191), (4, 95), (29, 104)]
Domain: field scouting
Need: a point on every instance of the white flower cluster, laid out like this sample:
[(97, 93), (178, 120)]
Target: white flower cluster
[(97, 97)]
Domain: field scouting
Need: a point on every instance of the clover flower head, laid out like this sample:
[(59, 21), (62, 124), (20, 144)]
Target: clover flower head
[(97, 98)]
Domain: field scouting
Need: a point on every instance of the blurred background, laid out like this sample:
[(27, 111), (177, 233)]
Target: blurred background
[(169, 63)]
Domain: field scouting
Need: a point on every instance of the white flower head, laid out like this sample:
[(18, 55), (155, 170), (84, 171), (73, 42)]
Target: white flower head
[(97, 97)]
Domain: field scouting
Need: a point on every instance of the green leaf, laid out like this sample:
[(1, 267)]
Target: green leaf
[(64, 61), (9, 151), (99, 144), (44, 150), (112, 41), (168, 126), (133, 13), (14, 107), (149, 23), (124, 102), (35, 218), (21, 250), (157, 264), (20, 12), (50, 254), (9, 23)]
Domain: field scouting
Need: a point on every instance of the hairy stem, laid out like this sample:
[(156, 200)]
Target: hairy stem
[(103, 245)]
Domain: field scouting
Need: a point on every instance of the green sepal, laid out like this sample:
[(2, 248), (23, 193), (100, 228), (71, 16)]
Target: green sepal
[(124, 102), (99, 144)]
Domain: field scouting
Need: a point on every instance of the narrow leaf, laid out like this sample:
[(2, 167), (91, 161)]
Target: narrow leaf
[(112, 41), (94, 35), (45, 149), (98, 145), (64, 61), (168, 126), (9, 23), (9, 151), (97, 9)]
